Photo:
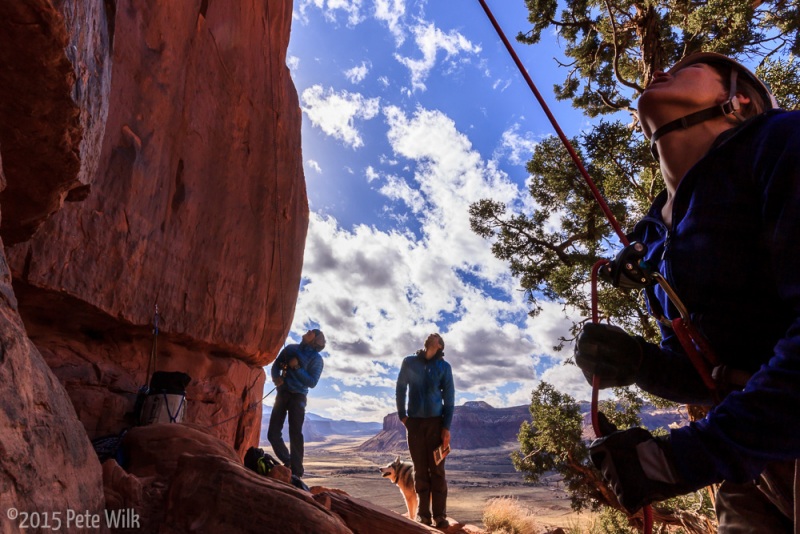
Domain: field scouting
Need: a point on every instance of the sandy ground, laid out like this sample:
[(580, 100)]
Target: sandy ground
[(474, 478)]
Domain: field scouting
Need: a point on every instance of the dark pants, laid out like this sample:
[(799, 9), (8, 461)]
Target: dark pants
[(424, 435), (295, 405), (764, 505)]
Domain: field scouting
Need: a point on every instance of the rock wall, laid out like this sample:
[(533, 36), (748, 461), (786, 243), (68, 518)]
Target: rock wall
[(191, 197), (48, 115)]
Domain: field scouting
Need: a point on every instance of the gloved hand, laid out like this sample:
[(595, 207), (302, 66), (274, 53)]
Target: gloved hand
[(638, 467), (610, 353)]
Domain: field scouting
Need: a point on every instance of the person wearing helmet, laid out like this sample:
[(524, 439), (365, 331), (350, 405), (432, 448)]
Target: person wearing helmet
[(725, 235), (296, 369)]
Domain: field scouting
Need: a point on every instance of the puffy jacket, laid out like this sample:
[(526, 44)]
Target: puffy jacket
[(304, 377), (430, 388), (733, 257)]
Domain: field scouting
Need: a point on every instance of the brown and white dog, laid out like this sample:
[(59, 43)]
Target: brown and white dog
[(402, 474)]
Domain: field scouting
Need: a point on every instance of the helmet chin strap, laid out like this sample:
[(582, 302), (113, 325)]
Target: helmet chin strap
[(731, 106)]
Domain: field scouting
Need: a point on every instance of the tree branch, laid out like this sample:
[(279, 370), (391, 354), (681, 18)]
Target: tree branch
[(617, 75)]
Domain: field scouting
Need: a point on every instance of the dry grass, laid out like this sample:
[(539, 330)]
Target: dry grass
[(505, 515)]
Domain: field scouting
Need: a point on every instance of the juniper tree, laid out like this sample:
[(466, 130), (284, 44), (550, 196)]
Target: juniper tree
[(610, 48)]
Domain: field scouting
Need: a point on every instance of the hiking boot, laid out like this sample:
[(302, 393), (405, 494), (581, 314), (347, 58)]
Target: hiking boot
[(442, 522), (424, 520)]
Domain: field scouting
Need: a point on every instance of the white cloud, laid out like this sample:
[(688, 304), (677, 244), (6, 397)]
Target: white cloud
[(391, 12), (371, 174), (430, 41), (357, 73), (314, 165), (330, 9), (502, 85), (335, 113), (519, 148), (378, 293), (293, 62)]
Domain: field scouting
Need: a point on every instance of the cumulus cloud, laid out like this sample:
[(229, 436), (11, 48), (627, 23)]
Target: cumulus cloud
[(378, 293), (357, 73), (391, 12), (352, 10), (518, 148), (430, 40), (336, 113)]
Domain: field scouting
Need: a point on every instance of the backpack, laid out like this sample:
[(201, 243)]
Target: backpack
[(259, 461)]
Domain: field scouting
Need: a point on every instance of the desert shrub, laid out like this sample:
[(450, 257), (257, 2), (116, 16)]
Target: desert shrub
[(504, 515)]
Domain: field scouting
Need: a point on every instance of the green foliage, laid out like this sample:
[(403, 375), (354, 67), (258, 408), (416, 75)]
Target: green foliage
[(552, 250), (553, 442), (783, 78), (612, 48)]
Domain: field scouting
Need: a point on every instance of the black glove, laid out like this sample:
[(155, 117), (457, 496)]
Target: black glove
[(627, 270), (638, 467), (610, 353)]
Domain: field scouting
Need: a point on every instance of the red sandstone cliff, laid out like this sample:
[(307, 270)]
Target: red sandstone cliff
[(192, 197), (149, 154)]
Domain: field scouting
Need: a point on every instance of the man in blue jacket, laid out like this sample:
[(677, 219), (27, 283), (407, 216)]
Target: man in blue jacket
[(725, 234), (428, 380), (296, 369)]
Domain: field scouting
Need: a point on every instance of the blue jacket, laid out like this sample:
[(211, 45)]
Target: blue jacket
[(304, 377), (430, 388), (733, 257)]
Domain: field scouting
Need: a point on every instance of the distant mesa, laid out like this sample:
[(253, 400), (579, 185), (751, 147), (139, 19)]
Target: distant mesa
[(318, 428), (476, 425)]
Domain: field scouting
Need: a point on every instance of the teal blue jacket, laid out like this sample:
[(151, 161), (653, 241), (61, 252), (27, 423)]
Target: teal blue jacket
[(429, 384)]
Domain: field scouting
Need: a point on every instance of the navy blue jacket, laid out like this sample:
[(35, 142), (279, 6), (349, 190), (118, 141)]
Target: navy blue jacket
[(733, 257), (304, 377), (430, 388)]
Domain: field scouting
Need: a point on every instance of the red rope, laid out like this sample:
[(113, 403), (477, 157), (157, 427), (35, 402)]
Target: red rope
[(596, 192)]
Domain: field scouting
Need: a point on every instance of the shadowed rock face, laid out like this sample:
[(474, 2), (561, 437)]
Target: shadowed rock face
[(191, 198), (53, 105), (47, 462)]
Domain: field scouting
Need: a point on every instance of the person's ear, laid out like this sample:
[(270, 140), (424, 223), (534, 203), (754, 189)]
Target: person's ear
[(743, 98)]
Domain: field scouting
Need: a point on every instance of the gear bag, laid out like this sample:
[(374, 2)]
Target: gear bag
[(259, 461), (166, 398)]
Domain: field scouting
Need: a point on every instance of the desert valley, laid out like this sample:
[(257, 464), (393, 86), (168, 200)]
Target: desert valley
[(347, 455)]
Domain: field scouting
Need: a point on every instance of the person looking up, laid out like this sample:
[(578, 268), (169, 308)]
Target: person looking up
[(428, 380), (725, 234), (296, 369)]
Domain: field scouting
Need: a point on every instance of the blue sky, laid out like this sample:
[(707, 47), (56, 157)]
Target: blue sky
[(412, 110)]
